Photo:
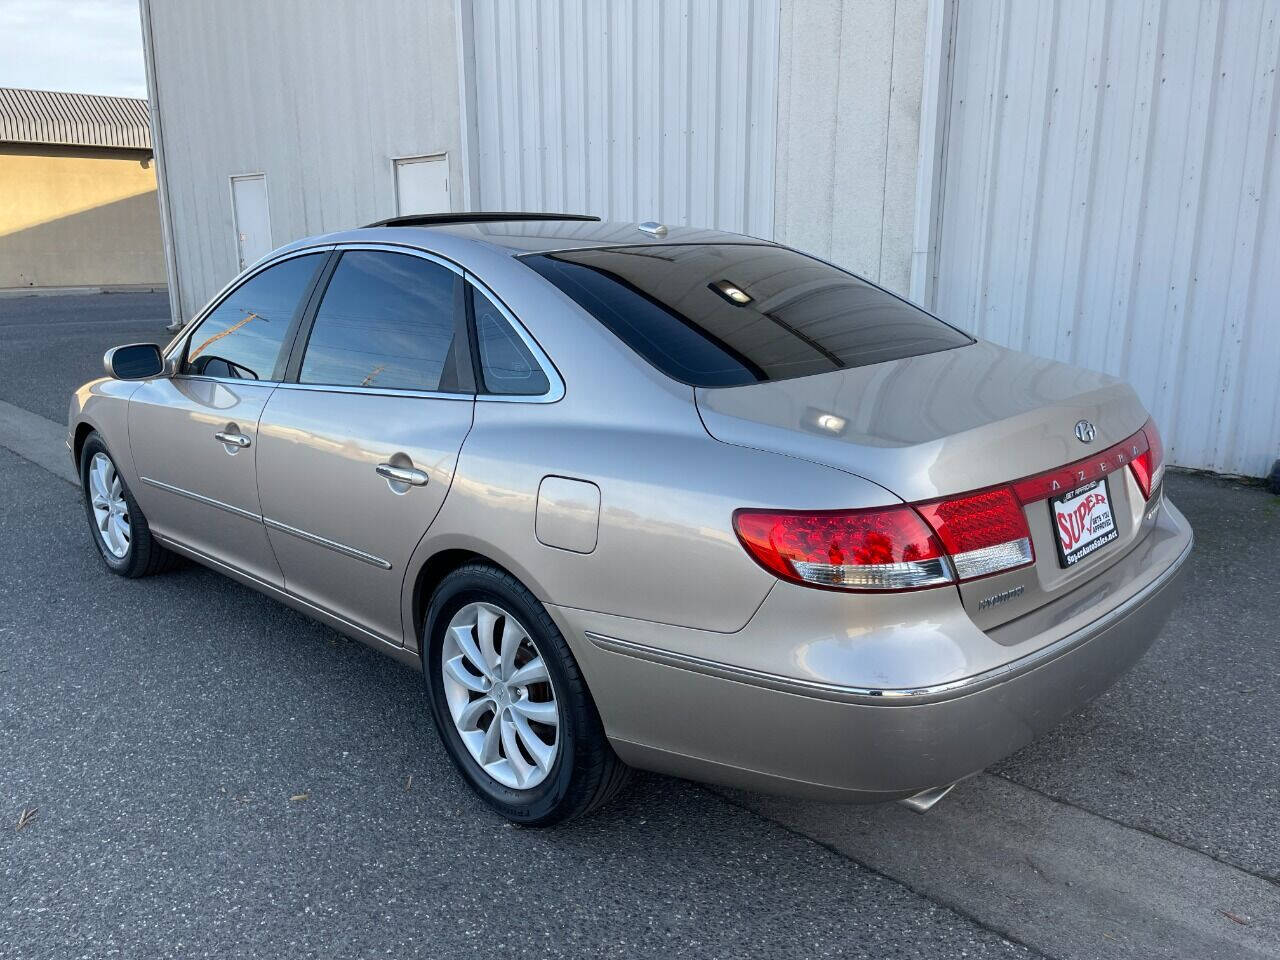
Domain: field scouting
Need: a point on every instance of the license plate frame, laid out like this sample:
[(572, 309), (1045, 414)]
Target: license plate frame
[(1078, 548)]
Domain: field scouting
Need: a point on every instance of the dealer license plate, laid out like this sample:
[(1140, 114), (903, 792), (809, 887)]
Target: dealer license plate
[(1083, 522)]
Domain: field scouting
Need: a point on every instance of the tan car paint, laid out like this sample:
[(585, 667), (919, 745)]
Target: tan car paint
[(318, 454), (946, 423), (172, 427)]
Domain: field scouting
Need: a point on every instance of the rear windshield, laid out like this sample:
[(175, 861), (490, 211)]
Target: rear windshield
[(722, 315)]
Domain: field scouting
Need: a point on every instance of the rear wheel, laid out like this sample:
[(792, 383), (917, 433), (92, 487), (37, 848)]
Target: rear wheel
[(117, 524), (510, 703)]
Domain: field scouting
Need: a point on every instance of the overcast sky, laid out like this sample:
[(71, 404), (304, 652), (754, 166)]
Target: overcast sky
[(80, 46)]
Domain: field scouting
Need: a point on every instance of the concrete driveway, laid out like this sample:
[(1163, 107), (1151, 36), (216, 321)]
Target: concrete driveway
[(214, 775)]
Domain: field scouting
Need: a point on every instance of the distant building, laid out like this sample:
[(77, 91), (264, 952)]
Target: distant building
[(78, 200)]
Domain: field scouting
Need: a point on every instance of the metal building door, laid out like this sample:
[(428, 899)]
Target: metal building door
[(422, 185), (251, 217)]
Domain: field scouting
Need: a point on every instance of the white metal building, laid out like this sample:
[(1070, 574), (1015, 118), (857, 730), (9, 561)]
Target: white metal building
[(1093, 180)]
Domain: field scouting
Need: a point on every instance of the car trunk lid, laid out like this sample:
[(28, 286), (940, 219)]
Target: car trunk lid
[(952, 422)]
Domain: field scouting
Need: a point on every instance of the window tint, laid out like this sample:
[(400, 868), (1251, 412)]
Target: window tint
[(242, 337), (386, 320), (717, 315), (506, 364)]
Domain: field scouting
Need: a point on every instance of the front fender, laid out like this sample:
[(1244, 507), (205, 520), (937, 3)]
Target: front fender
[(103, 406)]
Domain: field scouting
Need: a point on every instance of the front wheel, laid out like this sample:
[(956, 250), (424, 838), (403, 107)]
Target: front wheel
[(116, 522), (511, 705)]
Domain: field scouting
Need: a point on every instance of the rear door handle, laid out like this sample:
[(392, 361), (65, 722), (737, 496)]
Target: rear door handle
[(409, 475), (235, 439)]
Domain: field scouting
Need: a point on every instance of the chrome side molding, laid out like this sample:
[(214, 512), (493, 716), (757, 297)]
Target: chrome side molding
[(341, 548), (200, 498), (367, 636), (333, 545), (894, 695)]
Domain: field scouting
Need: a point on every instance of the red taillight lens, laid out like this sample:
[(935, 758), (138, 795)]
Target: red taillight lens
[(885, 549), (927, 544), (893, 548), (984, 532), (1147, 465)]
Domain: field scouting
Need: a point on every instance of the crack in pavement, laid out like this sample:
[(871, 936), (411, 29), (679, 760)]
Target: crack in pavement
[(1054, 877), (1266, 878), (735, 799)]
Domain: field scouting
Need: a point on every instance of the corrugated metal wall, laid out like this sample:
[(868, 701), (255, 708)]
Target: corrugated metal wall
[(318, 100), (630, 110), (849, 91), (1111, 197)]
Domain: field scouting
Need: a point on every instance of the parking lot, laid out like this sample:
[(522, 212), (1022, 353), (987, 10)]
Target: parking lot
[(215, 775)]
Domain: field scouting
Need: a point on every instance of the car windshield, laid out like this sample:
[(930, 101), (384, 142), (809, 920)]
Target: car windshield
[(719, 315)]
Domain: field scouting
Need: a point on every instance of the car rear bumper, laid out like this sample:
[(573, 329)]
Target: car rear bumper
[(714, 720)]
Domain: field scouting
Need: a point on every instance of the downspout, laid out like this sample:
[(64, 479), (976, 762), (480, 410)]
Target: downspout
[(162, 179), (935, 110), (469, 135)]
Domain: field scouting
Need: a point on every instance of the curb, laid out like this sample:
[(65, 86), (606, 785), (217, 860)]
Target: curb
[(12, 292)]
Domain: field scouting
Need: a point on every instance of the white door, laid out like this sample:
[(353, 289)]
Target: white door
[(252, 219), (422, 185)]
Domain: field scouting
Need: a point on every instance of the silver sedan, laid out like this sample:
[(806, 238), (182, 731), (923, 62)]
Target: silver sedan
[(632, 496)]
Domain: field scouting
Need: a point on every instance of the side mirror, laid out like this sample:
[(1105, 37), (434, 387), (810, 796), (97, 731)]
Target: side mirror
[(134, 361)]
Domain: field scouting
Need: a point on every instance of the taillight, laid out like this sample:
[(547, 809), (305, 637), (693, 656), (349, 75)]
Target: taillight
[(894, 548), (886, 549), (1148, 465), (919, 545), (984, 532)]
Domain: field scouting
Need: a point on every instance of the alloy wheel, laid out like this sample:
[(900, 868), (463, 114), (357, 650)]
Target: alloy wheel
[(110, 509), (500, 695)]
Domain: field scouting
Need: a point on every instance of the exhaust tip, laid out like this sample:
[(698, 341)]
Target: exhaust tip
[(924, 801)]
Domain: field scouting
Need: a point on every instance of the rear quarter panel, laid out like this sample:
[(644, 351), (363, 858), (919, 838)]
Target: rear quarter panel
[(666, 550)]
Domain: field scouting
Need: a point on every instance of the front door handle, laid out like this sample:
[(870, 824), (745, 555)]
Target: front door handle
[(234, 439), (409, 475)]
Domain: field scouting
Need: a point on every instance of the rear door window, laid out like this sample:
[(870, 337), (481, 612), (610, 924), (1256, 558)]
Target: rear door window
[(386, 320), (242, 337), (716, 315)]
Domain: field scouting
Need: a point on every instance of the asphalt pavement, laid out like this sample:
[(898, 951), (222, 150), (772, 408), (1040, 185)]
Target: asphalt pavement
[(49, 345), (1188, 746), (215, 775)]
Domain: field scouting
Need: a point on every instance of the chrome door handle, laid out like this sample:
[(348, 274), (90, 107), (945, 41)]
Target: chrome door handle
[(235, 439), (409, 475)]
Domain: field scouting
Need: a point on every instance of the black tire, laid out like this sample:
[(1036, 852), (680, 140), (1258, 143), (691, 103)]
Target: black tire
[(144, 555), (586, 773)]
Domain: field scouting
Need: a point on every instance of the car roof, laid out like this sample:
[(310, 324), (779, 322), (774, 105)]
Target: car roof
[(526, 236)]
